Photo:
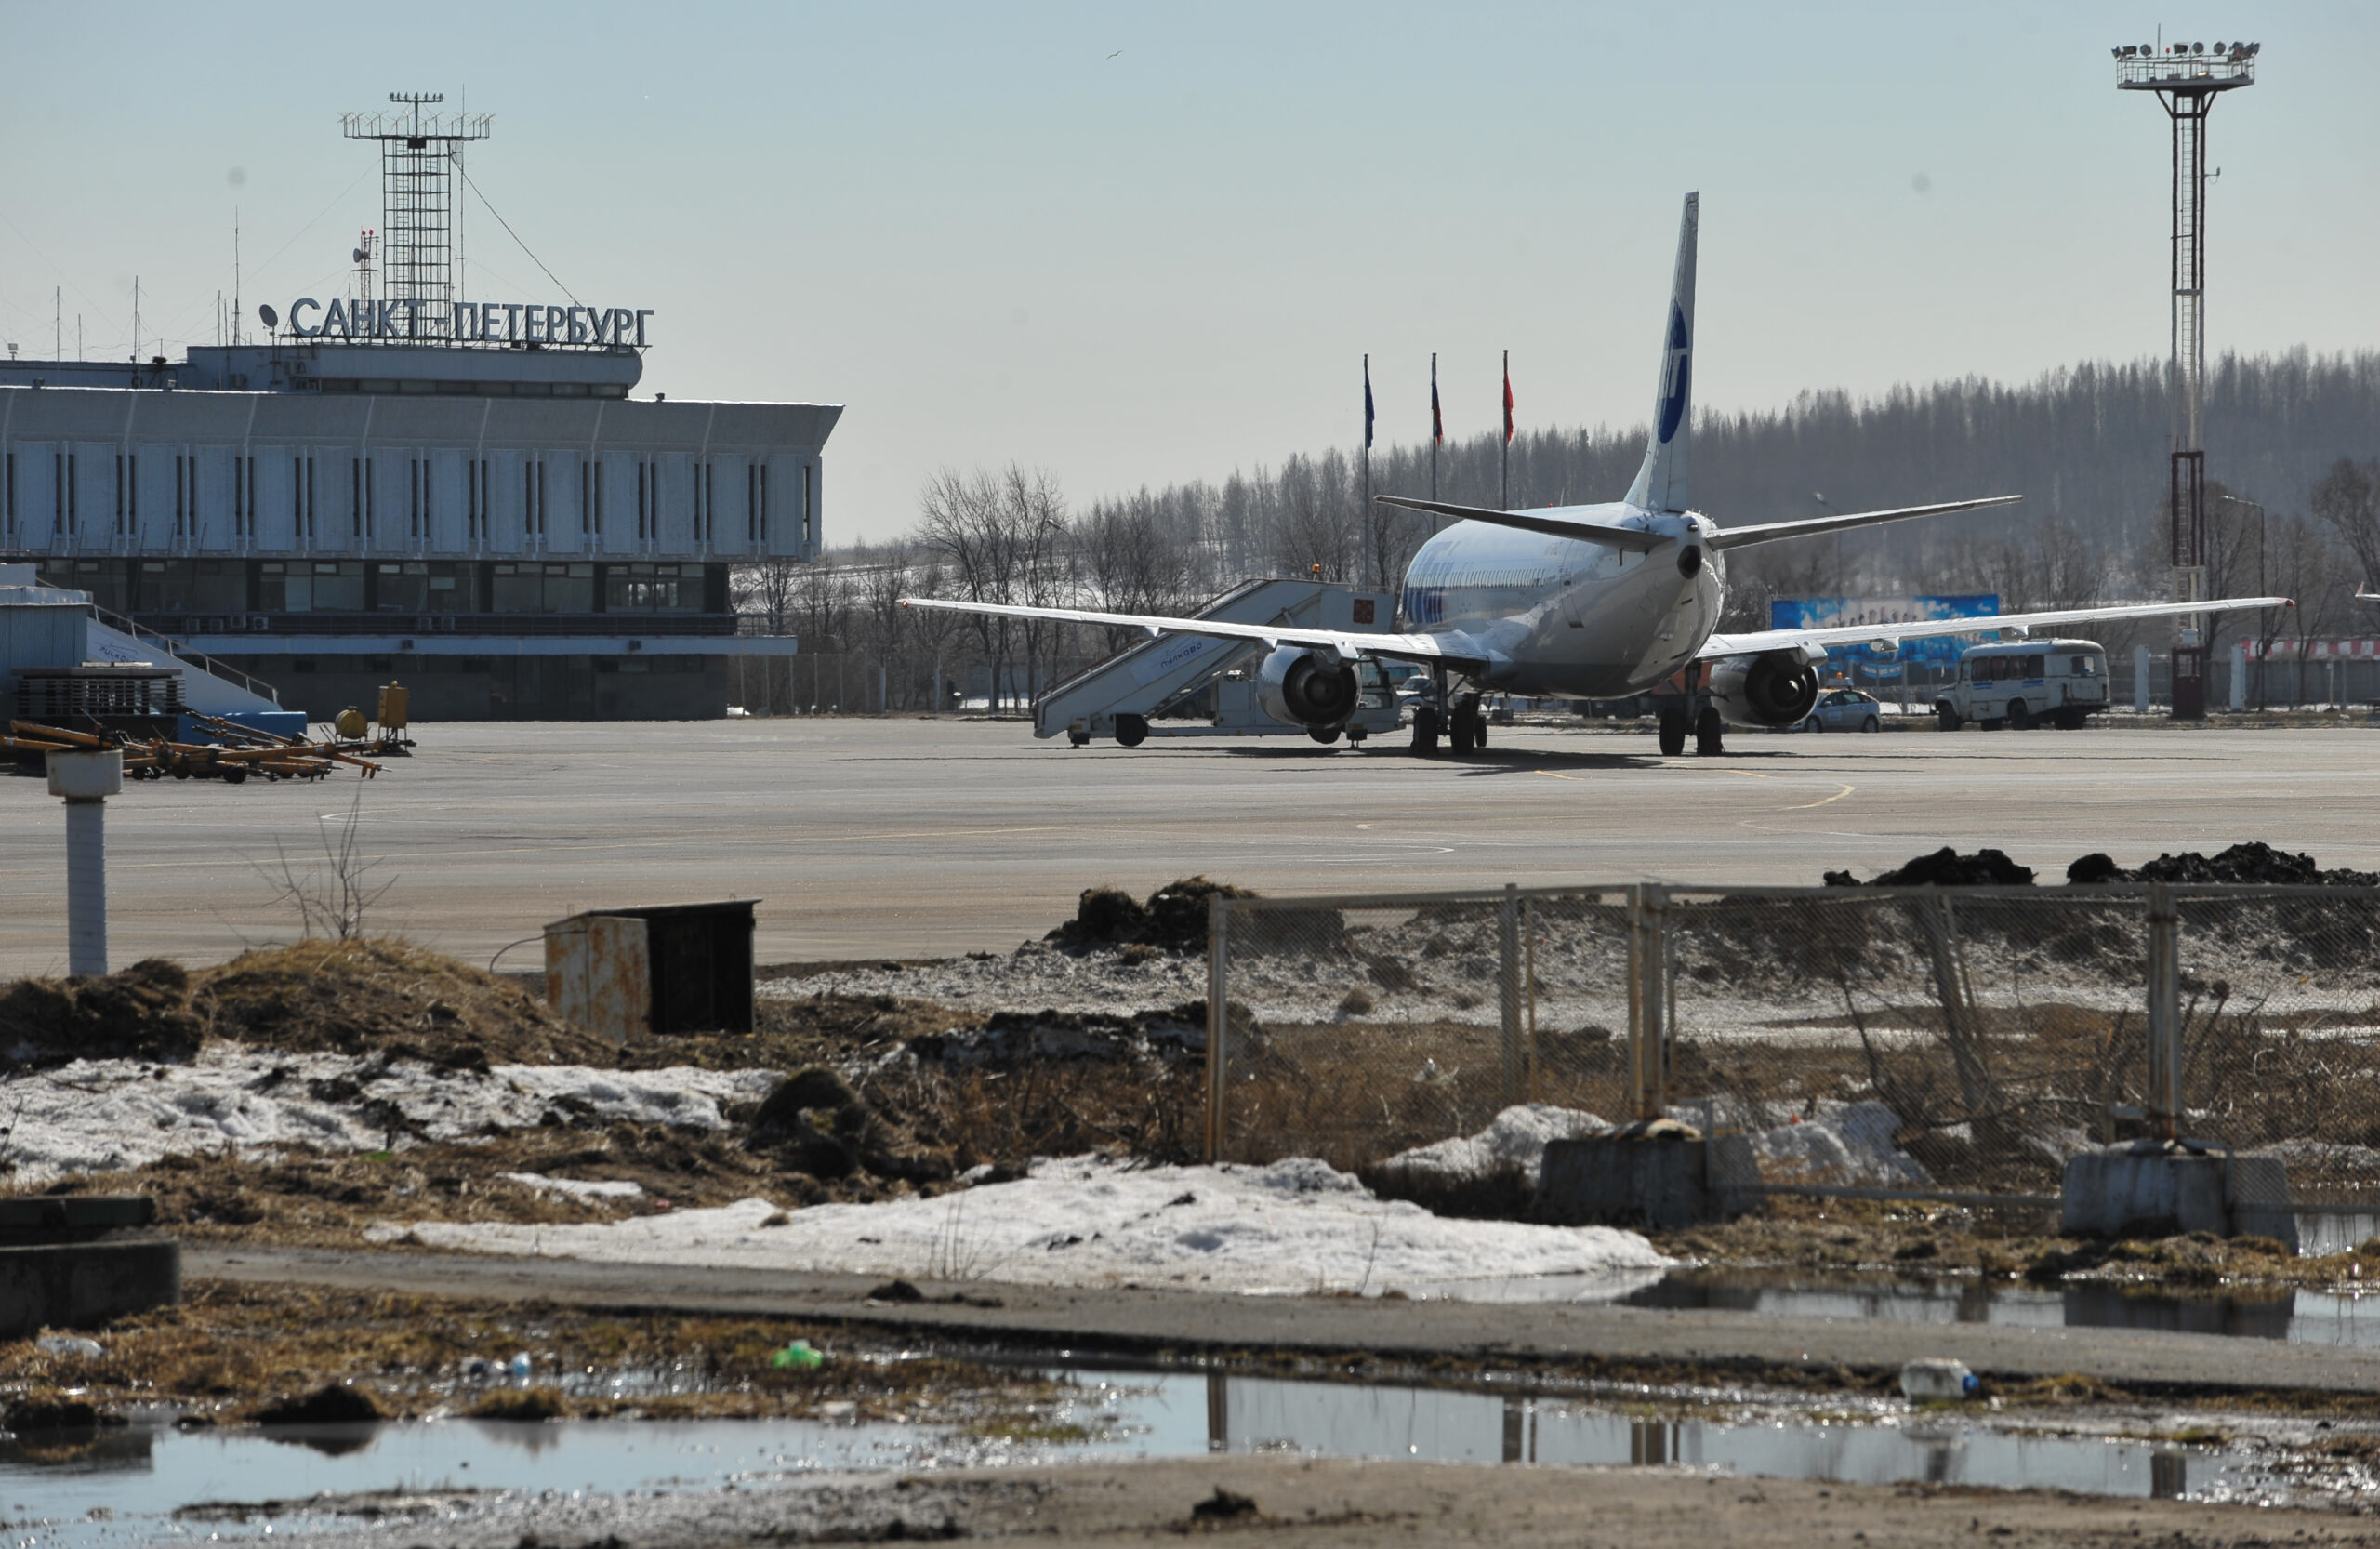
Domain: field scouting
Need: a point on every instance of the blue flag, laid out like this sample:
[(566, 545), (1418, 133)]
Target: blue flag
[(1368, 402)]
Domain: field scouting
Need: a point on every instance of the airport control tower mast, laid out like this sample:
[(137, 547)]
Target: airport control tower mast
[(2187, 78), (421, 155)]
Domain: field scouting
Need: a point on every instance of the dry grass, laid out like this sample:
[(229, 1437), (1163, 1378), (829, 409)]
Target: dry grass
[(231, 1349)]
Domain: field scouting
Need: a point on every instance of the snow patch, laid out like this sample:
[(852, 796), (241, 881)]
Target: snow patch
[(1295, 1226), (575, 1188), (1516, 1138), (99, 1115), (1840, 1144)]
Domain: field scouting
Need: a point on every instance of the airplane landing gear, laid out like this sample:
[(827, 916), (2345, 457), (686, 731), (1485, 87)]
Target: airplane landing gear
[(1467, 729), (1425, 728), (1707, 730), (1673, 727)]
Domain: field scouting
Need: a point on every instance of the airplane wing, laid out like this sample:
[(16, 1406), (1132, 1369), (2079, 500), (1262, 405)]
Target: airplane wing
[(1348, 645), (1773, 532), (1814, 641), (1548, 521)]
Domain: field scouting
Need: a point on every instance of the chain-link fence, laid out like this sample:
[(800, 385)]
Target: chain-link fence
[(1940, 1041)]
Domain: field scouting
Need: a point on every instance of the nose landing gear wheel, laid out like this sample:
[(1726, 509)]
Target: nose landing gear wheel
[(1673, 733)]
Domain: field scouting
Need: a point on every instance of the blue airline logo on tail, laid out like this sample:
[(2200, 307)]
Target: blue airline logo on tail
[(1675, 376)]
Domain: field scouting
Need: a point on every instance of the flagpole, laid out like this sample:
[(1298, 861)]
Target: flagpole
[(1371, 538), (1433, 436), (1506, 499)]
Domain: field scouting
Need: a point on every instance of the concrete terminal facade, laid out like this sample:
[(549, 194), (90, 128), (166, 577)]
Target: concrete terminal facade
[(501, 526)]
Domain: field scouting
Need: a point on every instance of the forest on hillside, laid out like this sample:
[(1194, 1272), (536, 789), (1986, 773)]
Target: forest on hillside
[(2294, 439)]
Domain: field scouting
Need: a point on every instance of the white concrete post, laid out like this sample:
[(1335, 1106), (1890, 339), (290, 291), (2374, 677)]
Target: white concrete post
[(86, 781), (2140, 679), (2239, 676)]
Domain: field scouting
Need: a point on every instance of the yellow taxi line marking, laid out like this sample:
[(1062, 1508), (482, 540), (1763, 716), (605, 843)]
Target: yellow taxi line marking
[(1836, 796)]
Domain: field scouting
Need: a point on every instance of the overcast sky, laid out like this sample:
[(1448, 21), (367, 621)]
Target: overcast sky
[(1134, 244)]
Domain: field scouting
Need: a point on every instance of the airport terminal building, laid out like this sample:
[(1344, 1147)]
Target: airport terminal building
[(463, 497)]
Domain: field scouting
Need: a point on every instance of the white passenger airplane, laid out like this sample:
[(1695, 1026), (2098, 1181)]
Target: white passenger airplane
[(1589, 602)]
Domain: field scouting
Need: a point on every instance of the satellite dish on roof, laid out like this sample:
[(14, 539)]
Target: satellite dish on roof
[(271, 318)]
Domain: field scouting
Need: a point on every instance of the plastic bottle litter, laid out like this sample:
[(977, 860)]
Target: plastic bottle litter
[(1921, 1381), (521, 1365), (798, 1357), (71, 1345)]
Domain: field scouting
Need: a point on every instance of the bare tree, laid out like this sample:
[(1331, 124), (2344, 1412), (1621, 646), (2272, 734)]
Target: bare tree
[(332, 897), (2347, 498)]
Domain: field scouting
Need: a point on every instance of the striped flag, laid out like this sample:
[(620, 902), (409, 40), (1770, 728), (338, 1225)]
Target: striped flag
[(1508, 398), (1438, 422)]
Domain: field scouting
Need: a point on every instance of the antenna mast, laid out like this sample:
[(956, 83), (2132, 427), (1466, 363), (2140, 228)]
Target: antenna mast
[(419, 155)]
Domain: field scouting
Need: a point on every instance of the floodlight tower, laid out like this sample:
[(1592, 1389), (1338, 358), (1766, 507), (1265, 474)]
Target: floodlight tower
[(2188, 77), (421, 154)]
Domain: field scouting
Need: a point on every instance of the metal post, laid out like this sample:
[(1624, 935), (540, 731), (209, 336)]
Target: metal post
[(1648, 982), (1218, 1019), (1508, 989), (2164, 1013), (86, 781), (1529, 980)]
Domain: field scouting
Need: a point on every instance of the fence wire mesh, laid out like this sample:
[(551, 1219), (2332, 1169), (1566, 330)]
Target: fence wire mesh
[(2279, 1027), (1964, 1039)]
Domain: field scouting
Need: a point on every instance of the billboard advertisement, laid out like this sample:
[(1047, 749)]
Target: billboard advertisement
[(1864, 662)]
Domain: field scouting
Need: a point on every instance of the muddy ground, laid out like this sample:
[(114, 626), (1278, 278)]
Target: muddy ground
[(1323, 1504)]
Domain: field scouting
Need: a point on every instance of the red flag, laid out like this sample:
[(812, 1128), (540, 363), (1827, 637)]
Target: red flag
[(1508, 402)]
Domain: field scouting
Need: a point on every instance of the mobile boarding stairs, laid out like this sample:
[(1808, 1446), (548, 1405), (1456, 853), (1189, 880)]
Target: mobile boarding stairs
[(1154, 688)]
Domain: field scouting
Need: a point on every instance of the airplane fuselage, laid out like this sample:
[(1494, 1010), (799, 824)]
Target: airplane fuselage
[(1562, 617)]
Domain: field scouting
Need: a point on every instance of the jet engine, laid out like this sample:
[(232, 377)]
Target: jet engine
[(1777, 688), (1313, 689)]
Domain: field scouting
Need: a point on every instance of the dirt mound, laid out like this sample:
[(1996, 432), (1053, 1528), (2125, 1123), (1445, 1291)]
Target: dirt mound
[(1947, 868), (384, 996), (2251, 862), (144, 1012), (1174, 919), (1015, 1039), (332, 1404), (815, 1123)]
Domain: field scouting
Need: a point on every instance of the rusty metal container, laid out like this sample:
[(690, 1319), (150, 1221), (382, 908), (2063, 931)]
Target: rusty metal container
[(667, 967)]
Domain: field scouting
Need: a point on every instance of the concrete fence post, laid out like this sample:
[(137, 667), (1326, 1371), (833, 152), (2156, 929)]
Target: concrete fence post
[(2140, 679), (86, 781), (1218, 1018), (1649, 983), (2164, 1103), (1508, 990)]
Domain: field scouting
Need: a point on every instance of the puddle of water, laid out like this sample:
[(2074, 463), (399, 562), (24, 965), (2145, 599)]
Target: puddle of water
[(141, 1475), (2297, 1317)]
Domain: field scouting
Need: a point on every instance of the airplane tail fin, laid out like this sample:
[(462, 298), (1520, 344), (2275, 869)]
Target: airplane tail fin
[(1660, 483)]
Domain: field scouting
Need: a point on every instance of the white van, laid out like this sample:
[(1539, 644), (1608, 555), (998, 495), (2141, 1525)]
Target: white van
[(2024, 684)]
